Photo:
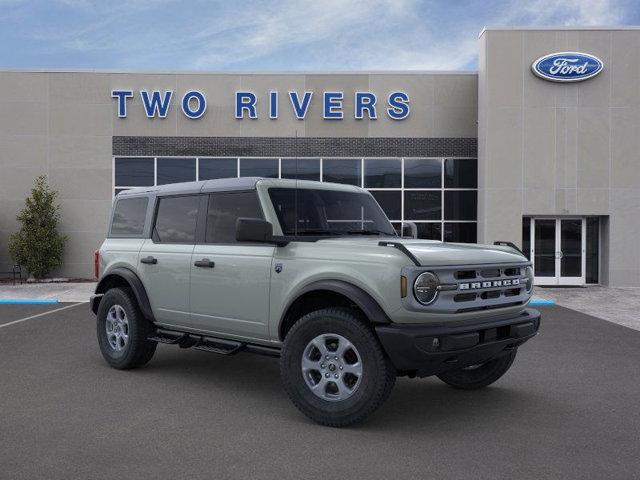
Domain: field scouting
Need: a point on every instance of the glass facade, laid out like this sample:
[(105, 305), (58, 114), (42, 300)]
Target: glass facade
[(439, 195)]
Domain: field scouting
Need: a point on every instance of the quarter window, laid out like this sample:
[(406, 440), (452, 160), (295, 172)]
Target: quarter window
[(224, 209), (128, 216), (176, 219)]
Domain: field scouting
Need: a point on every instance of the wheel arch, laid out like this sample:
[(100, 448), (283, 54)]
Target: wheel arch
[(123, 277), (324, 293)]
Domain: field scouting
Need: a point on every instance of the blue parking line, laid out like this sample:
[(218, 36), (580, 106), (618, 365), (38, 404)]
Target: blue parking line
[(538, 303), (27, 301)]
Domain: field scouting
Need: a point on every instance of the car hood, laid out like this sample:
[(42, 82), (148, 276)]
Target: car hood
[(435, 253)]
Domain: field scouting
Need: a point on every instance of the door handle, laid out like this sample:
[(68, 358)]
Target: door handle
[(204, 263), (149, 260)]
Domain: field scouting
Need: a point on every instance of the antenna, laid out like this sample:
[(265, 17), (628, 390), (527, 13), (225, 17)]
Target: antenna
[(295, 196)]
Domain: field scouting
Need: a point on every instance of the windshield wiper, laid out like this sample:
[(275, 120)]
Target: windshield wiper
[(317, 231), (368, 232)]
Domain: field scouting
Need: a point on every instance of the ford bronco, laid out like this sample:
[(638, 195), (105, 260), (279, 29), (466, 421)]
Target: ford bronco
[(315, 274)]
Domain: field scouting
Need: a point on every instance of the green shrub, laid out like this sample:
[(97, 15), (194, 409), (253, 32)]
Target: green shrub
[(38, 246)]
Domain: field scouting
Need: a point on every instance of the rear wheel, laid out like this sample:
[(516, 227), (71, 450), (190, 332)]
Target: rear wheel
[(123, 331), (479, 376), (334, 369)]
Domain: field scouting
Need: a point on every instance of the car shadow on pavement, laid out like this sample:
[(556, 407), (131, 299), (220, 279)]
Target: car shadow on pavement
[(414, 404)]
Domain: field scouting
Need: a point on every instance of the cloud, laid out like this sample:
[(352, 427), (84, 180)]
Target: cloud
[(285, 34)]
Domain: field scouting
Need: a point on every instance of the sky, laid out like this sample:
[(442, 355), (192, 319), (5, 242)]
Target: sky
[(278, 35)]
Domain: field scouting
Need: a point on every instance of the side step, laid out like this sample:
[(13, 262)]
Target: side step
[(210, 344)]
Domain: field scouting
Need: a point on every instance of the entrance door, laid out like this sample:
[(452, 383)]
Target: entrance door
[(558, 250)]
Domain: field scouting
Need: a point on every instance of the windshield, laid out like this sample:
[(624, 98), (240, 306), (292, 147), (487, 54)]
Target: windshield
[(329, 212)]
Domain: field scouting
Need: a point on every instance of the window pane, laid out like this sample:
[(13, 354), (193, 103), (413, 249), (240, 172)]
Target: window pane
[(526, 236), (460, 173), (422, 173), (134, 172), (224, 210), (429, 231), (422, 205), (593, 239), (176, 170), (302, 168), (382, 173), (129, 215), (390, 203), (211, 168), (118, 190), (397, 226), (460, 232), (259, 167), (176, 220), (339, 170), (460, 205)]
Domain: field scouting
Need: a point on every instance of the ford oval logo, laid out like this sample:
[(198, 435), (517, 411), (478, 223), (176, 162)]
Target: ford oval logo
[(567, 66)]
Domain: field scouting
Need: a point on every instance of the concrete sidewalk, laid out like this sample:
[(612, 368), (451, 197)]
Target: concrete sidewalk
[(614, 304), (63, 292)]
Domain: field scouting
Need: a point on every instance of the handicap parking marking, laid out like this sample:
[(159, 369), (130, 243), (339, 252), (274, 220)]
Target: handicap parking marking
[(30, 317)]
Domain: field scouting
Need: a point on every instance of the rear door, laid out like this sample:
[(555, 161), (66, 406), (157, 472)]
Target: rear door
[(164, 263), (230, 280)]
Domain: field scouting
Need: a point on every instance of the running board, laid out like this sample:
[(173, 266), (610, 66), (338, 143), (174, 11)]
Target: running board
[(221, 346)]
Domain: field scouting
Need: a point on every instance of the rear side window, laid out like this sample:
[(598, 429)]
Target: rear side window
[(176, 219), (128, 216), (224, 210)]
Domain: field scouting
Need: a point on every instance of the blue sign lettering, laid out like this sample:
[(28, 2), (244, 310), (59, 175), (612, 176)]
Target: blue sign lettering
[(332, 105), (200, 100), (156, 105), (246, 101), (299, 108), (122, 96), (365, 101), (273, 105), (398, 105)]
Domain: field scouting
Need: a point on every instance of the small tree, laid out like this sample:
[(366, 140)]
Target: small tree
[(38, 246)]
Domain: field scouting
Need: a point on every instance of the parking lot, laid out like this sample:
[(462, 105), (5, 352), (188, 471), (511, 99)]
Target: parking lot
[(567, 409)]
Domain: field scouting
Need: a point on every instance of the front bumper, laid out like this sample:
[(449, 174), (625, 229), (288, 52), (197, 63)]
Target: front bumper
[(425, 350)]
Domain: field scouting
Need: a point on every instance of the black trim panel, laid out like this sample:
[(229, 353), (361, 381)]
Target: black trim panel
[(136, 286)]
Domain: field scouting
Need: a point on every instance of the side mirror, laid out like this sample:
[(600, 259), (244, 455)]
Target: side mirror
[(409, 230), (254, 230)]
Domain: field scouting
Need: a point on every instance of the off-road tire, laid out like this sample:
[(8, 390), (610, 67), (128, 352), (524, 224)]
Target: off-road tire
[(377, 379), (138, 350), (480, 377)]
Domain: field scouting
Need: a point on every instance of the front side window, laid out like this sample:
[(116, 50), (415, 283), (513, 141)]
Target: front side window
[(128, 216), (224, 209), (176, 219), (328, 212)]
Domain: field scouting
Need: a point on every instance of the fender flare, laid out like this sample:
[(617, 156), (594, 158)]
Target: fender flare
[(134, 283), (369, 306)]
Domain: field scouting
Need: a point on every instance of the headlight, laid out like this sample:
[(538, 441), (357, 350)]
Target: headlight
[(529, 281), (425, 288)]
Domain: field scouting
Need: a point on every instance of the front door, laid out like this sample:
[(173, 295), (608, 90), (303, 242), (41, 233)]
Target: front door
[(230, 280), (558, 250)]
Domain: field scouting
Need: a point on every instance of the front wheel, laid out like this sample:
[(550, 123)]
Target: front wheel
[(334, 369), (479, 376)]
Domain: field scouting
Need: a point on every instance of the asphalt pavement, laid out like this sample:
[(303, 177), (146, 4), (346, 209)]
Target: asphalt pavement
[(567, 409)]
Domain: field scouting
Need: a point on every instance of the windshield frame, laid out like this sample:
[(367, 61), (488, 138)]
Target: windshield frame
[(385, 229)]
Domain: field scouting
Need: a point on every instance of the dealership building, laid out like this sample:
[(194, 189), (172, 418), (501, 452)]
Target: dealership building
[(539, 147)]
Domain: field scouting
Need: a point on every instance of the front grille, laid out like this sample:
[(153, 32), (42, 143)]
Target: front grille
[(476, 288)]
